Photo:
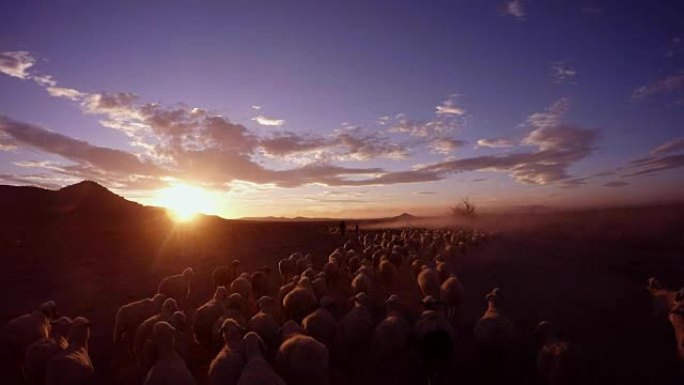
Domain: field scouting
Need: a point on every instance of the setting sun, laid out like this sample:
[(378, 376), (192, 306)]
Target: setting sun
[(184, 202)]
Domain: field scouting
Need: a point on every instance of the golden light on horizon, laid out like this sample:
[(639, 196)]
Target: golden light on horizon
[(184, 201)]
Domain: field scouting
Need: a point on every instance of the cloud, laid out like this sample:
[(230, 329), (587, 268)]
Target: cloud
[(255, 107), (446, 145), (496, 143), (616, 184), (668, 85), (266, 121), (515, 8), (563, 73), (67, 93), (449, 107), (79, 151), (674, 145), (16, 63), (44, 80)]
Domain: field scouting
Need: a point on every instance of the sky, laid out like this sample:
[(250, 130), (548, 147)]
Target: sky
[(350, 108)]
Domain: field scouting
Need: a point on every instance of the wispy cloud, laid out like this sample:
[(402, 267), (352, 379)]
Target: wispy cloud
[(16, 63), (61, 92), (446, 146), (449, 107), (516, 9), (268, 121), (496, 143), (616, 183), (562, 72), (670, 84), (668, 155)]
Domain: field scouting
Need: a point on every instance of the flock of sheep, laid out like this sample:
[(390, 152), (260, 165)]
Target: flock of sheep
[(385, 307)]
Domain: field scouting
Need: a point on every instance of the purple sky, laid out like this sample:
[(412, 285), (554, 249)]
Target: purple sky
[(347, 108)]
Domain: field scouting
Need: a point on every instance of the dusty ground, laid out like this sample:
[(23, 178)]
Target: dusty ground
[(587, 272)]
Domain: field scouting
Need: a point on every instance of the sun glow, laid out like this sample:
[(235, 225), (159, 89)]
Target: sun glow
[(184, 202)]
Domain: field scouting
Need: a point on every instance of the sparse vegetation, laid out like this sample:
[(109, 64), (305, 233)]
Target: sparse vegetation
[(465, 209)]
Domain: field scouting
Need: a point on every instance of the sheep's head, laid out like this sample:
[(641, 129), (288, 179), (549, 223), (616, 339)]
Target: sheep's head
[(49, 308), (653, 285), (235, 263), (494, 297), (79, 331), (254, 345), (545, 331), (394, 303), (286, 267), (221, 293), (235, 301), (429, 302), (158, 301), (188, 273), (169, 306), (362, 299), (163, 335), (60, 327), (230, 330), (304, 282), (266, 269), (266, 304), (178, 320), (290, 329)]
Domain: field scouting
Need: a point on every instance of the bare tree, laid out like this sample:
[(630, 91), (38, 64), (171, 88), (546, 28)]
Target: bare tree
[(465, 209)]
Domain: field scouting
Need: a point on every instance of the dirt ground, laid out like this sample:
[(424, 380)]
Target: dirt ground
[(586, 272)]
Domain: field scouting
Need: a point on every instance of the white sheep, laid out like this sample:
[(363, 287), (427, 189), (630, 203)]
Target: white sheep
[(321, 324), (263, 322), (452, 296), (428, 282), (207, 315), (177, 286), (226, 367), (362, 283), (169, 367), (301, 301), (303, 360), (145, 329), (558, 361), (39, 353), (257, 371), (73, 365), (131, 315)]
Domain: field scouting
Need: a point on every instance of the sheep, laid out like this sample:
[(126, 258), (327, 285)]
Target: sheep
[(663, 299), (73, 365), (676, 318), (558, 362), (226, 367), (236, 309), (259, 281), (39, 353), (435, 337), (321, 324), (177, 286), (303, 360), (320, 287), (494, 337), (242, 286), (208, 314), (355, 331), (390, 344), (257, 371), (428, 282), (131, 315), (263, 322), (143, 332), (224, 275), (286, 269), (301, 301), (452, 295), (362, 284), (28, 328), (388, 273), (169, 367)]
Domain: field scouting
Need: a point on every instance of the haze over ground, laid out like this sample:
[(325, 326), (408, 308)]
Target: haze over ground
[(364, 109)]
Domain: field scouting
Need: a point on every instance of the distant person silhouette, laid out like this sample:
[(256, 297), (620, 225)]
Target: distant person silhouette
[(356, 228), (343, 228)]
